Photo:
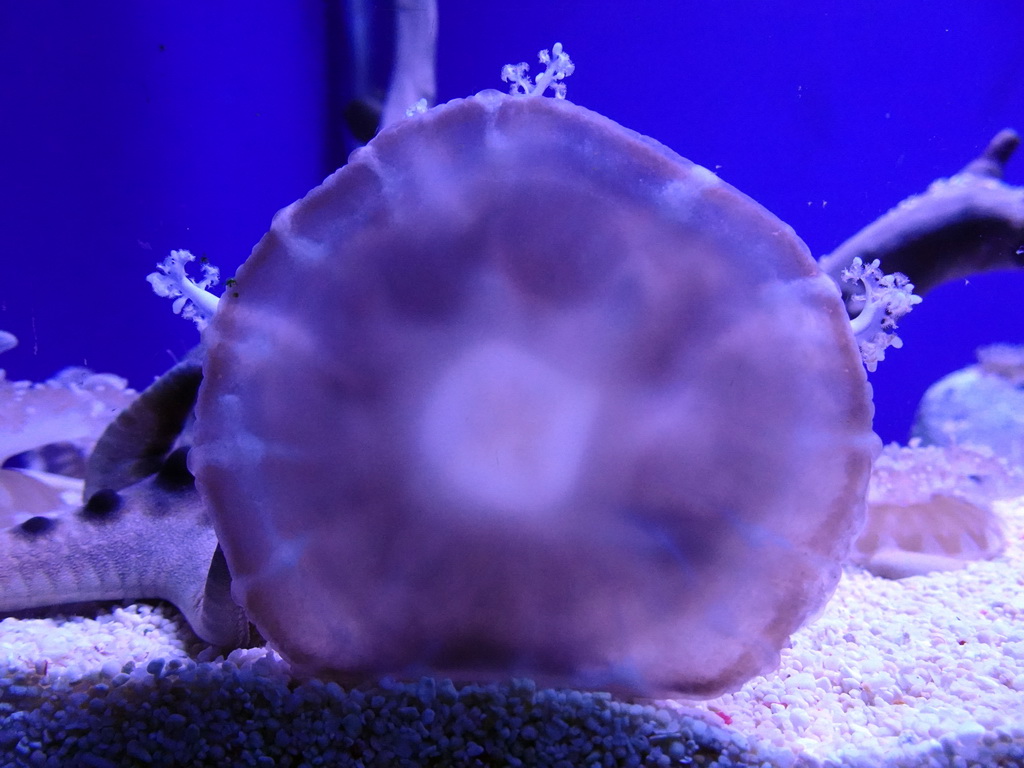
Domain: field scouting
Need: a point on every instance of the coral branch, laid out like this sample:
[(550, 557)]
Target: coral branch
[(971, 222)]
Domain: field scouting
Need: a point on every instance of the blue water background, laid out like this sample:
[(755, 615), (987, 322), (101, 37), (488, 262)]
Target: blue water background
[(129, 129)]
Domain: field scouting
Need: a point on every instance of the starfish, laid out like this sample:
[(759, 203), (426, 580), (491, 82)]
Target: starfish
[(142, 531)]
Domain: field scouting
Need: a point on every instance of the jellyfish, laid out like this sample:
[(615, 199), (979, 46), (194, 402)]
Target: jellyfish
[(521, 392)]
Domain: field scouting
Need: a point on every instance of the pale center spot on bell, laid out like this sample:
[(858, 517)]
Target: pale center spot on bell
[(506, 432)]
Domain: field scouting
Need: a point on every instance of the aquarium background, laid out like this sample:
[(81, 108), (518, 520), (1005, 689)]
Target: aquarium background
[(130, 129)]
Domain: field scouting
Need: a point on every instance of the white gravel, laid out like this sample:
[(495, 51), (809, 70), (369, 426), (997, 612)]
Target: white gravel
[(900, 672)]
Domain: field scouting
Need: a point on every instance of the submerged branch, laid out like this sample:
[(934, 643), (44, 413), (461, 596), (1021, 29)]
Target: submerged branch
[(971, 222)]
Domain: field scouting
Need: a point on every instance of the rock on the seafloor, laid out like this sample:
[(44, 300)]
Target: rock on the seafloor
[(982, 404)]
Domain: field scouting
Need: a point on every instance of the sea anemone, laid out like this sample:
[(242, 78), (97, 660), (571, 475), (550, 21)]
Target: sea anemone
[(929, 509)]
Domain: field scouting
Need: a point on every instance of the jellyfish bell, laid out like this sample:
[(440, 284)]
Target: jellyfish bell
[(521, 392)]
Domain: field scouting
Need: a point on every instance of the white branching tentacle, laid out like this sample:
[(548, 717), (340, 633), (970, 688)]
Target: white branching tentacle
[(191, 299), (558, 66), (884, 299)]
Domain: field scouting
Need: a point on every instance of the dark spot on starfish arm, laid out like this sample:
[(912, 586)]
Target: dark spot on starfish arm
[(102, 505), (38, 525), (174, 474)]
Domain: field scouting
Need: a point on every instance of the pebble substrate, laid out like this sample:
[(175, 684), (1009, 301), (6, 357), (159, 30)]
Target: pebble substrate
[(927, 671)]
